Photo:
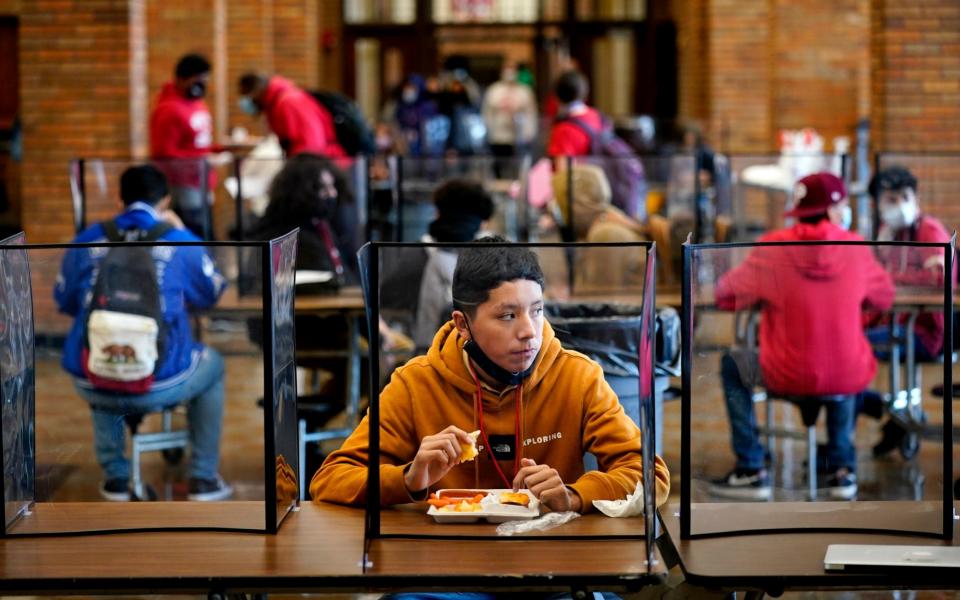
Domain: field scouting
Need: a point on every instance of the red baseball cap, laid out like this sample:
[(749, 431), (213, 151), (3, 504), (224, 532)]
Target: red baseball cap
[(814, 194)]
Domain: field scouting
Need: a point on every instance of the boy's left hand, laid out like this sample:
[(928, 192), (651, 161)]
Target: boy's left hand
[(546, 485)]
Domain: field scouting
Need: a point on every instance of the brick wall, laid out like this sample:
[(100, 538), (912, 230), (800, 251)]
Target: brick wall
[(330, 61), (690, 16), (249, 48), (739, 75), (751, 69), (917, 64), (75, 98), (296, 40), (916, 94), (821, 66)]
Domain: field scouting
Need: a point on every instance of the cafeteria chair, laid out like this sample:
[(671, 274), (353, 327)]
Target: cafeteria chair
[(169, 441)]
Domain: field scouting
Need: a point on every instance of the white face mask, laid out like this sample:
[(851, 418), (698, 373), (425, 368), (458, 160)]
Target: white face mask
[(898, 216), (909, 211)]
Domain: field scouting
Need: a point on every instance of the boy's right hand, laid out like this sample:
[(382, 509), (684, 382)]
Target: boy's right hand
[(437, 454)]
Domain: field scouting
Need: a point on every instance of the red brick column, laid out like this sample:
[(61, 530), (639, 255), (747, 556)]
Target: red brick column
[(75, 98)]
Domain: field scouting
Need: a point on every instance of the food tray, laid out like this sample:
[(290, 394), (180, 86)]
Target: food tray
[(491, 510)]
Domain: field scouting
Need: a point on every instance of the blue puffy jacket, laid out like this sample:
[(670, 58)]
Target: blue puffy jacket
[(188, 280)]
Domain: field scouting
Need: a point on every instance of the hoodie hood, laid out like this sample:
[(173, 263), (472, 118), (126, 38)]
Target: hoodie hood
[(276, 87), (446, 355), (820, 263), (169, 92)]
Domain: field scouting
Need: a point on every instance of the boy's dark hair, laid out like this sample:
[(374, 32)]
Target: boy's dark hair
[(892, 178), (462, 207), (251, 82), (814, 219), (482, 268), (191, 65), (571, 86), (463, 196), (143, 183)]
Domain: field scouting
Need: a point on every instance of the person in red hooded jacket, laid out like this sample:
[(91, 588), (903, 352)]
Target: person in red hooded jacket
[(812, 342), (181, 137), (299, 121), (570, 134), (894, 190)]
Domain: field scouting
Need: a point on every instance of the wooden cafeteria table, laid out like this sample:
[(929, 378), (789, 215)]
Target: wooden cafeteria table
[(776, 562), (319, 548)]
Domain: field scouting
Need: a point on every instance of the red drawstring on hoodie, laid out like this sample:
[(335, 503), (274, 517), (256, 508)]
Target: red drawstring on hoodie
[(508, 483)]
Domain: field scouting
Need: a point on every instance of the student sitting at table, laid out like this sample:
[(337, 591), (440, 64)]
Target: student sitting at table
[(93, 287), (496, 367), (895, 192), (811, 339), (311, 193), (463, 207), (595, 219)]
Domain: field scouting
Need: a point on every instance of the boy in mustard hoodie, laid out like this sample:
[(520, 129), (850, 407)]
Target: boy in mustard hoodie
[(496, 368)]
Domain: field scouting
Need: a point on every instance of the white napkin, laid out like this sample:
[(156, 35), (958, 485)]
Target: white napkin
[(631, 506)]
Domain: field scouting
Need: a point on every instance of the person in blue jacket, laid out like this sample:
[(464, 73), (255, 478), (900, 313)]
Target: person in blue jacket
[(187, 372)]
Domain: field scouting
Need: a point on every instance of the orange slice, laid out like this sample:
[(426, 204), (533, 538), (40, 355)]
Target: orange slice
[(469, 452)]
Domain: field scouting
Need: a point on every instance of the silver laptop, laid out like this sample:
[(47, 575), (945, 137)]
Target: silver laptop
[(842, 556)]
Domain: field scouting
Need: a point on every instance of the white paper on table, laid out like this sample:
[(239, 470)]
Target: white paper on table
[(631, 506)]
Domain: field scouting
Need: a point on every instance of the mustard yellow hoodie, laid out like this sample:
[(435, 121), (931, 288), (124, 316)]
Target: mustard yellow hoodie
[(567, 409)]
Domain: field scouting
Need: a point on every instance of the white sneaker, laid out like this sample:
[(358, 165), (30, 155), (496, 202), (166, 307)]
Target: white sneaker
[(115, 490), (743, 484)]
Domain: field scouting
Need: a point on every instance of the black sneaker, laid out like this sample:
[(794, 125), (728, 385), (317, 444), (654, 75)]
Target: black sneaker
[(743, 484), (206, 490), (116, 490), (893, 435), (842, 485)]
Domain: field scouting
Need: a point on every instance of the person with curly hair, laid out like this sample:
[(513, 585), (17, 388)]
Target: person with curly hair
[(311, 193)]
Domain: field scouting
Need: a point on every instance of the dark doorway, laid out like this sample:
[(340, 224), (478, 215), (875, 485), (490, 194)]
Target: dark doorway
[(10, 136)]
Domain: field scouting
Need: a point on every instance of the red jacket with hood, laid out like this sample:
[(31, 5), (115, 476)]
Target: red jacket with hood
[(181, 127), (918, 267), (811, 298), (299, 121), (568, 138)]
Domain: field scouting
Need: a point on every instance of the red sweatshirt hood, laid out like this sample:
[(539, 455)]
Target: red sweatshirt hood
[(276, 87), (820, 263), (169, 92)]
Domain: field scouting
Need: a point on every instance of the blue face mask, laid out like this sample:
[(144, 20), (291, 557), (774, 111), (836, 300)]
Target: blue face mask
[(846, 218), (247, 105)]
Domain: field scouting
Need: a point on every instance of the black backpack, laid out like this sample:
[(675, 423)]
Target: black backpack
[(353, 132), (124, 330)]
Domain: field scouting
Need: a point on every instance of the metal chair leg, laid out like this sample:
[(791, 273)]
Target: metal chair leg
[(812, 462), (302, 449)]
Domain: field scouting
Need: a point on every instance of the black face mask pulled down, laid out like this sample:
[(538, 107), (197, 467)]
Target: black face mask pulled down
[(493, 369), (197, 89)]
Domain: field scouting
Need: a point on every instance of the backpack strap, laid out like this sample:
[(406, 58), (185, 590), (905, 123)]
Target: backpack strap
[(115, 234), (583, 126), (156, 232), (112, 232)]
